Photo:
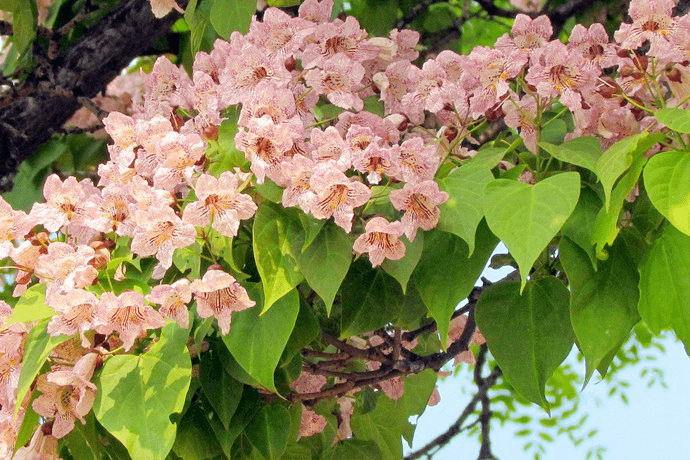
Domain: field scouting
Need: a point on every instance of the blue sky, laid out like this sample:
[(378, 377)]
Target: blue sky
[(653, 425)]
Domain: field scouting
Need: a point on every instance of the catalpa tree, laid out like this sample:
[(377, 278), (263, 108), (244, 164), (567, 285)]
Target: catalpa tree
[(283, 248)]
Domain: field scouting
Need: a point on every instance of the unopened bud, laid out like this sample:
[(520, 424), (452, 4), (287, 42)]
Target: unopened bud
[(290, 64), (450, 133), (674, 75)]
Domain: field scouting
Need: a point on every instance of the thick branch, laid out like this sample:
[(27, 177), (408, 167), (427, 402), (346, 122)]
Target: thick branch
[(49, 95)]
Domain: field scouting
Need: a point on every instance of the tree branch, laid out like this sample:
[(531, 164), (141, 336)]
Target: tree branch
[(49, 97), (457, 427)]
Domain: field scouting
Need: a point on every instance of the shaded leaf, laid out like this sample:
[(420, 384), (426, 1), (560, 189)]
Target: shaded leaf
[(402, 269), (530, 334), (195, 439), (370, 299), (275, 260), (603, 303), (223, 392), (268, 431), (257, 340), (579, 225), (445, 275), (325, 262)]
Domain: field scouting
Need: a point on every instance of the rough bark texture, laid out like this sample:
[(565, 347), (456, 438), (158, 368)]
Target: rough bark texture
[(48, 97)]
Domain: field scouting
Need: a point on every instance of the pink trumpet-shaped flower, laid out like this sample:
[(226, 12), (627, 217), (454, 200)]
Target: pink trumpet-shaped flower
[(129, 316), (219, 204), (67, 395), (381, 240), (218, 295)]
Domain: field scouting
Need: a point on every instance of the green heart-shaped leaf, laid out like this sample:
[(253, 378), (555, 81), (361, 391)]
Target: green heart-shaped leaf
[(257, 340), (138, 394), (675, 118), (603, 303), (445, 275), (526, 217), (530, 334)]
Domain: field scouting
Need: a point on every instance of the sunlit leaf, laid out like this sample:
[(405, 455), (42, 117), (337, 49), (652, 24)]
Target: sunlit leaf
[(138, 394), (463, 211), (676, 119), (228, 16), (526, 217), (667, 180)]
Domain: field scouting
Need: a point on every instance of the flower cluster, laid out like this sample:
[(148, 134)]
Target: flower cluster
[(157, 193)]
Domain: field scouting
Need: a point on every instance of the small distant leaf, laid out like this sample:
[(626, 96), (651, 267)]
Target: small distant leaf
[(463, 211), (603, 303), (228, 16), (530, 334), (326, 261), (445, 275), (402, 269), (665, 285), (268, 431), (31, 306), (676, 119), (257, 340), (526, 217), (667, 180)]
